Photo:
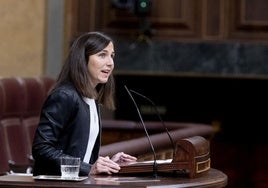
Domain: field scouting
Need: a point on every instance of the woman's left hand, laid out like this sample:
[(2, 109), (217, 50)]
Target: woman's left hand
[(121, 157)]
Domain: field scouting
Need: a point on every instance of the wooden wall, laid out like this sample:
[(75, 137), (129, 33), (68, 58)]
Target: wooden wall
[(223, 20)]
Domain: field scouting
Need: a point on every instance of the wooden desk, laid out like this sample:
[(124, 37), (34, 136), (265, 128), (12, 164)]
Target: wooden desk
[(214, 178)]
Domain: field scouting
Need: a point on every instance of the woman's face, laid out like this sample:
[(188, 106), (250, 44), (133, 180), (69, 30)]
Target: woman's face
[(101, 65)]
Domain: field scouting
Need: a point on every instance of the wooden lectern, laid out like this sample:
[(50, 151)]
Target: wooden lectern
[(192, 156)]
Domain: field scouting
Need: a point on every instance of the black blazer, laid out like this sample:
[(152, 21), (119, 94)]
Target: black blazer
[(63, 130)]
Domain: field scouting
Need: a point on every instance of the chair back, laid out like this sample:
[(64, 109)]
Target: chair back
[(10, 122), (4, 167)]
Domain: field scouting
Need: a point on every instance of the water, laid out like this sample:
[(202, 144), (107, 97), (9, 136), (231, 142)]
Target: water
[(69, 171)]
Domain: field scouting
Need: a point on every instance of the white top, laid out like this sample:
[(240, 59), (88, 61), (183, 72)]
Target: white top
[(94, 128)]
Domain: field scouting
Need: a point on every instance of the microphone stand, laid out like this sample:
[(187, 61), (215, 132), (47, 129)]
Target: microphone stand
[(150, 142), (161, 120)]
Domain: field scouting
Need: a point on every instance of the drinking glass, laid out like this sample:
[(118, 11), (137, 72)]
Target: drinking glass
[(70, 167)]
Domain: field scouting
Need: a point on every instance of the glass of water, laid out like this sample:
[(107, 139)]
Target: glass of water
[(70, 167)]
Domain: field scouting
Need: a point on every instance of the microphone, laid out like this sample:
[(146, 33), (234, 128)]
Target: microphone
[(147, 135), (161, 120)]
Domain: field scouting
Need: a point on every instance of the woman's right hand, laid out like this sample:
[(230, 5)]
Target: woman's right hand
[(104, 165)]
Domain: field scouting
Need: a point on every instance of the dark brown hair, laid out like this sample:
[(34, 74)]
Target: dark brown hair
[(75, 69)]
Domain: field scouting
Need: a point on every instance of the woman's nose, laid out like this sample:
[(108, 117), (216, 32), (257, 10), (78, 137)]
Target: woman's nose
[(110, 61)]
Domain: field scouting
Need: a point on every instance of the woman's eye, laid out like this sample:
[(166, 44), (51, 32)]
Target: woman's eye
[(102, 55)]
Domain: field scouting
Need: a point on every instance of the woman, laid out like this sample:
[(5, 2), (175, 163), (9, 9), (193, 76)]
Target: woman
[(70, 121)]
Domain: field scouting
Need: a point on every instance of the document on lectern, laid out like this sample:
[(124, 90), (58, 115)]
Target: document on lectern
[(147, 166), (147, 162)]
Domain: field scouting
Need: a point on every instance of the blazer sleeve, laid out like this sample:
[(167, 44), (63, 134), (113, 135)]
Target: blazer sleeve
[(55, 115)]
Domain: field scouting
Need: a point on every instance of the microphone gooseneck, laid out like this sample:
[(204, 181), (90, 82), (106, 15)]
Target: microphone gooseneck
[(161, 120), (147, 135)]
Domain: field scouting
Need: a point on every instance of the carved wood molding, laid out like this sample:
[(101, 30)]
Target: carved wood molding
[(248, 19), (174, 19)]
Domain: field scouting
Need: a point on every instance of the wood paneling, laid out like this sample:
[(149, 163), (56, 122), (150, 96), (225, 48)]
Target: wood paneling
[(248, 20), (176, 19), (213, 19)]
